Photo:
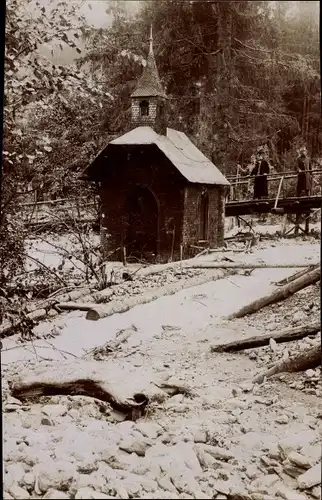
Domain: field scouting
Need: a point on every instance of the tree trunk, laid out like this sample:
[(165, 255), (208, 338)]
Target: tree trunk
[(103, 311), (280, 294), (286, 335), (304, 361), (81, 387), (236, 265)]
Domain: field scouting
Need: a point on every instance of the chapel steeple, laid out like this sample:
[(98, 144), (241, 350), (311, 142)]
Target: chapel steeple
[(148, 99)]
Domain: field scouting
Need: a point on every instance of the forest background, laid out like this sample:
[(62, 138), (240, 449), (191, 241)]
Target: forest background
[(238, 74)]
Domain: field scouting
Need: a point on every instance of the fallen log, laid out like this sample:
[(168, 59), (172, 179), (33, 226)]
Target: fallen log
[(74, 306), (293, 277), (286, 335), (103, 311), (236, 265), (306, 360), (97, 389), (159, 268), (125, 390), (282, 293)]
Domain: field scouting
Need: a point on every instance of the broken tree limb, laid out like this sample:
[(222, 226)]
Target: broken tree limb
[(64, 297), (236, 265), (9, 327), (293, 277), (306, 360), (282, 293), (110, 346), (286, 335)]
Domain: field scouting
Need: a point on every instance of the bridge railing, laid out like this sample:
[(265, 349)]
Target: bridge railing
[(82, 209), (242, 186)]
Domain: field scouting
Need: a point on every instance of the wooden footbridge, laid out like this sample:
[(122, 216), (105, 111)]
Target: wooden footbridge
[(282, 198)]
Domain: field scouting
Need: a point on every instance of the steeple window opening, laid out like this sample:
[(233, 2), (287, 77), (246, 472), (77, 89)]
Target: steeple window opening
[(144, 108)]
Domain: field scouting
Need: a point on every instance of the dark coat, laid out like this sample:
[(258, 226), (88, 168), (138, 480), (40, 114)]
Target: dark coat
[(260, 171), (304, 176)]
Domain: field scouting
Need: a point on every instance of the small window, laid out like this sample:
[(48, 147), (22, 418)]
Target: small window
[(144, 108)]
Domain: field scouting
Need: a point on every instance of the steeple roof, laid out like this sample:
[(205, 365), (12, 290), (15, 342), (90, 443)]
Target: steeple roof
[(149, 84)]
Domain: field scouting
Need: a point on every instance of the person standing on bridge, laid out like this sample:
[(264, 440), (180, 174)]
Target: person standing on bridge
[(260, 171), (304, 174)]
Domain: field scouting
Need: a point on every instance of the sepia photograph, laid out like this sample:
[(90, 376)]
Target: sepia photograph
[(160, 240)]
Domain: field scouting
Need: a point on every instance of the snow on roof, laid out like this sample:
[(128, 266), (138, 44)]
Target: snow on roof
[(182, 153)]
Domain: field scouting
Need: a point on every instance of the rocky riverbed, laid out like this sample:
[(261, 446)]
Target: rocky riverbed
[(226, 439)]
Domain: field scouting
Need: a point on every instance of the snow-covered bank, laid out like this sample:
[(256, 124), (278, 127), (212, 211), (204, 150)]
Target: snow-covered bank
[(190, 309)]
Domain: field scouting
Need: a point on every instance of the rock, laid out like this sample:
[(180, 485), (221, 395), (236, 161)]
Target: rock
[(54, 411), (122, 493), (14, 401), (261, 496), (310, 478), (186, 483), (135, 444), (18, 493), (263, 484), (54, 475), (93, 481), (46, 421), (87, 466), (74, 414), (8, 481), (200, 436), (149, 430), (315, 492), (206, 461), (252, 472), (29, 480), (299, 460), (17, 472), (222, 487), (56, 494), (246, 386), (165, 483), (310, 373), (285, 448), (288, 494), (291, 469), (282, 419), (7, 496), (298, 316), (312, 453), (232, 404), (160, 494), (89, 493), (217, 452)]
